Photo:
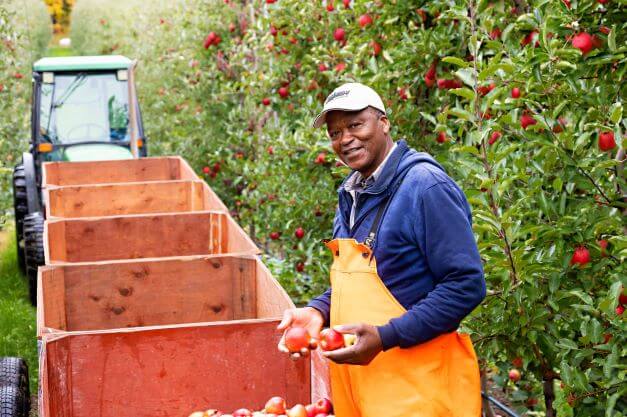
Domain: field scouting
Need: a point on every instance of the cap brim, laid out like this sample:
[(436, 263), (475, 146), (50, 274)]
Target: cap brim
[(322, 117)]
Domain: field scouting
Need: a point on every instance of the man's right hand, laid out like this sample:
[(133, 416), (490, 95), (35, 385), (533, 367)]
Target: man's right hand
[(307, 317)]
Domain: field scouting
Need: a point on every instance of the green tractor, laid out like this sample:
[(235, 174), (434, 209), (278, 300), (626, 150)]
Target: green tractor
[(84, 108)]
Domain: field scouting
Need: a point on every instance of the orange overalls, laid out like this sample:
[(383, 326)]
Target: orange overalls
[(439, 378)]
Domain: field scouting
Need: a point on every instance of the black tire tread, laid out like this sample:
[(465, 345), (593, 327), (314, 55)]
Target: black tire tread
[(34, 250), (20, 208)]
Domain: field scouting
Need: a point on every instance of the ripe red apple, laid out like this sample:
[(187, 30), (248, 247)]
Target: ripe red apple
[(606, 141), (339, 34), (311, 410), (517, 362), (296, 339), (331, 340), (270, 1), (266, 101), (347, 3), (526, 121), (275, 405), (270, 150), (376, 48), (441, 137), (402, 94), (273, 31), (297, 411), (514, 375), (323, 405), (448, 84), (340, 67), (583, 41), (494, 137), (321, 158), (300, 266), (299, 233), (210, 39), (495, 34), (622, 298), (242, 412), (603, 245), (530, 37), (18, 75), (330, 6), (322, 67), (206, 170), (515, 92), (620, 310), (581, 256), (566, 3), (275, 235), (365, 20), (284, 92)]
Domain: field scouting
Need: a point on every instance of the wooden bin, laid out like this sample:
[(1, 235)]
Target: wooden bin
[(167, 370), (94, 239), (130, 198), (127, 170)]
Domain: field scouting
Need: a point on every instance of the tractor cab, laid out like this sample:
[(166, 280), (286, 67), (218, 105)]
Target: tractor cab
[(84, 108)]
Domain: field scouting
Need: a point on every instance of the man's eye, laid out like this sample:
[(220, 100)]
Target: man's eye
[(353, 125)]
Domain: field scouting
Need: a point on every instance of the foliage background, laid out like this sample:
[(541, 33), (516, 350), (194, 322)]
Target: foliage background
[(537, 193)]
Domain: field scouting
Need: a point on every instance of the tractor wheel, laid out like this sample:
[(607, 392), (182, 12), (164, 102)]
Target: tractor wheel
[(20, 207), (34, 250), (14, 389)]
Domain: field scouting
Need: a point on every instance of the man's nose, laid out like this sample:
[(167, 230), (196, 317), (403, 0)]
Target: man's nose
[(345, 136)]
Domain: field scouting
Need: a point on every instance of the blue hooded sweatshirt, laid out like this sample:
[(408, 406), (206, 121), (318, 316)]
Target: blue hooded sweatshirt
[(425, 249)]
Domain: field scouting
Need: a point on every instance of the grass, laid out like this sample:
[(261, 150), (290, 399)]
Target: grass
[(17, 316)]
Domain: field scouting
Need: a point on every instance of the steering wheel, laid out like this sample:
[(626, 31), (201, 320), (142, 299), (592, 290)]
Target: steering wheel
[(88, 128)]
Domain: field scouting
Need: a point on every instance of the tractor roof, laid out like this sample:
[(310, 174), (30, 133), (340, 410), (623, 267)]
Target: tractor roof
[(80, 63)]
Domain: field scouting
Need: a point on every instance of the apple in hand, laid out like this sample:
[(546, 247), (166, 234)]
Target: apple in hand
[(297, 339), (331, 340)]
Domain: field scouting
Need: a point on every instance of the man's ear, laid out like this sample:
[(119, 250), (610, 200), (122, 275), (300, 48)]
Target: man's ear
[(386, 124)]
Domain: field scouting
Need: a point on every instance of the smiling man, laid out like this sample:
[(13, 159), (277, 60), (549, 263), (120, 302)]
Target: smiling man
[(406, 271)]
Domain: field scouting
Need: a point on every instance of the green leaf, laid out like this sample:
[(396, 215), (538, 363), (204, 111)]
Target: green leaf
[(464, 92), (429, 117), (466, 75), (461, 113), (617, 112), (456, 61), (611, 39)]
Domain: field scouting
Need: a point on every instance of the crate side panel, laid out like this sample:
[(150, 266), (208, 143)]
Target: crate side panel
[(160, 292), (172, 372)]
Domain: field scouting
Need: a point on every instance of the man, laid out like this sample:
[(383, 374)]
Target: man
[(406, 270)]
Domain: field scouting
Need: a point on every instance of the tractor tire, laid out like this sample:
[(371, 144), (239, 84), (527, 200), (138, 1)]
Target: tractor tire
[(20, 207), (34, 250), (13, 403), (14, 389)]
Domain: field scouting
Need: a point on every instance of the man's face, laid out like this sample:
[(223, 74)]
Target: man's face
[(359, 138)]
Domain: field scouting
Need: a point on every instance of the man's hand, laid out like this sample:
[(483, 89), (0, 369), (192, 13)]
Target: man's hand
[(366, 347), (307, 317)]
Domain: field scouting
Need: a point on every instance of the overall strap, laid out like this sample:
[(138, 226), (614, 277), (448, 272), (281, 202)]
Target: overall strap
[(369, 241)]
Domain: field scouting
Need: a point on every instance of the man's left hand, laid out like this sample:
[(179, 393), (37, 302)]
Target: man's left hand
[(366, 347)]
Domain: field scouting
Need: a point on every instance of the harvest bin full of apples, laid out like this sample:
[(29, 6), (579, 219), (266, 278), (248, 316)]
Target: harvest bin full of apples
[(157, 306)]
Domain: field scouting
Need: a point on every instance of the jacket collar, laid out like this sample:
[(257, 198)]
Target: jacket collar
[(387, 175)]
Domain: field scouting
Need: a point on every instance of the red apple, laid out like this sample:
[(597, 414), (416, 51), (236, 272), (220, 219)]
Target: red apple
[(583, 41), (311, 410), (376, 48), (273, 31), (340, 67), (402, 94), (270, 150), (323, 405), (515, 92), (300, 266), (494, 137), (566, 3), (275, 235), (242, 412), (275, 405), (339, 34), (514, 375), (347, 3), (210, 39), (620, 310), (298, 410), (270, 1), (495, 34), (606, 141), (284, 92), (331, 340), (622, 298), (603, 245), (441, 137), (365, 20), (299, 233), (297, 339), (530, 37), (206, 170), (330, 7), (581, 256), (322, 67), (517, 362), (266, 101), (526, 121), (321, 158)]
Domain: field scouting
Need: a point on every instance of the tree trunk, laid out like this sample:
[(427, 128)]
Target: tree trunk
[(487, 410), (549, 397)]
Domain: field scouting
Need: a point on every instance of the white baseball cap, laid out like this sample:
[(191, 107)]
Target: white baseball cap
[(349, 97)]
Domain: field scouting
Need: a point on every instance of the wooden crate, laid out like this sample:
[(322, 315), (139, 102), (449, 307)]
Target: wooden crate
[(127, 170), (94, 239), (130, 198), (167, 370)]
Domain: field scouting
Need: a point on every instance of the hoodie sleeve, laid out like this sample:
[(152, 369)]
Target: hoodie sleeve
[(444, 234), (322, 303)]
